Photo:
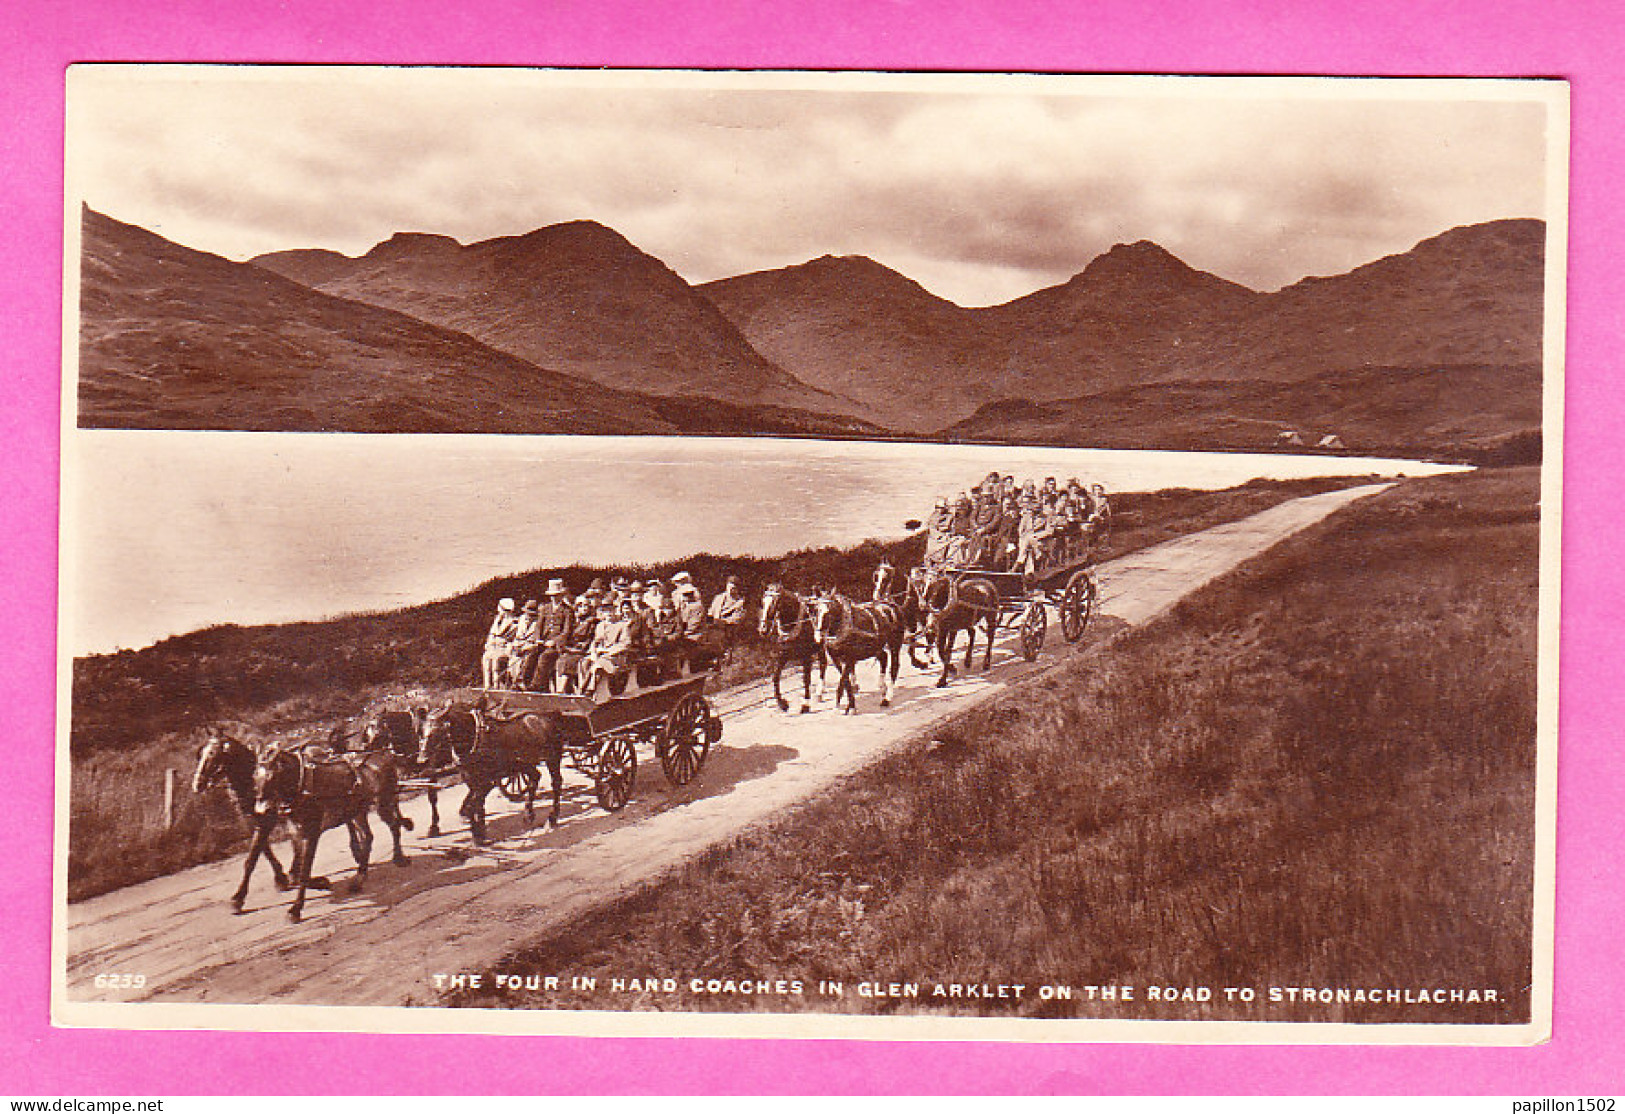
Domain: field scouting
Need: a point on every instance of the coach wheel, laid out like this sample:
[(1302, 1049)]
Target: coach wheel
[(1033, 624), (520, 786), (617, 770), (685, 739), (1077, 605)]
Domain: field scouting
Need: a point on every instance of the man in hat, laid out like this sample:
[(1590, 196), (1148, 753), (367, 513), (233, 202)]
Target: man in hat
[(498, 641), (690, 605), (987, 518), (728, 613), (556, 624)]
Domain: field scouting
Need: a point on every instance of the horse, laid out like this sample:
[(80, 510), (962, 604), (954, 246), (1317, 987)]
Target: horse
[(852, 632), (314, 793), (224, 759), (950, 605), (489, 750), (397, 732), (792, 643)]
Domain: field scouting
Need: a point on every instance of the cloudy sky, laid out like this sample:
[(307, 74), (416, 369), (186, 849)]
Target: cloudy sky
[(982, 189)]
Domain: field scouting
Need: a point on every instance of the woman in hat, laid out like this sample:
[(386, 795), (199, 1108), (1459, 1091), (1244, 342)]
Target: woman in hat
[(497, 642)]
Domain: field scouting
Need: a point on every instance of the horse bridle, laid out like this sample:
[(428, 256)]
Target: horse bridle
[(794, 632)]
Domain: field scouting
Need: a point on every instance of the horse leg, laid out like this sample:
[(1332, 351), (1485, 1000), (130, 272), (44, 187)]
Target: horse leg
[(970, 644), (361, 848), (887, 671), (555, 770), (258, 845), (390, 810), (992, 627), (823, 665), (283, 883), (806, 684), (530, 797), (434, 812), (945, 653), (778, 668), (307, 833), (476, 812)]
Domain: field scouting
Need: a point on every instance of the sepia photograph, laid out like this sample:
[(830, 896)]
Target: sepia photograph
[(810, 554)]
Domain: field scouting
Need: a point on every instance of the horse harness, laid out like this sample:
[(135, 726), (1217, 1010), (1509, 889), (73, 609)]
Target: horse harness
[(850, 613)]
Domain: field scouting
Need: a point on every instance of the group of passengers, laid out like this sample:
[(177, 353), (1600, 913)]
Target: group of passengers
[(568, 643), (1006, 527)]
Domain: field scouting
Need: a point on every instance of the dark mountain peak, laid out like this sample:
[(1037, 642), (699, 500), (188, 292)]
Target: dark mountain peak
[(404, 244), (569, 236), (1140, 260)]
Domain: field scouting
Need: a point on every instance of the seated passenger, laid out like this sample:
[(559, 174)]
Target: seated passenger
[(498, 643), (987, 518), (612, 650), (526, 645), (665, 643), (584, 624), (553, 628), (939, 534)]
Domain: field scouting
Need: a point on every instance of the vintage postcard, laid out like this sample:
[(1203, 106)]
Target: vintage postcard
[(969, 557)]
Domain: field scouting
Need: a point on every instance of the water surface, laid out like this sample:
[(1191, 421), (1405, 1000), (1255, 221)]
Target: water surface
[(173, 531)]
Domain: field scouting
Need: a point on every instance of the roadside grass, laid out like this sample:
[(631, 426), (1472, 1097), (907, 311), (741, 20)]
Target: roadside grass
[(1315, 772), (138, 713)]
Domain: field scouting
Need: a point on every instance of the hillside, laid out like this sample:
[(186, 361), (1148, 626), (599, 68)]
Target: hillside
[(179, 339), (1475, 412), (175, 338), (1137, 315), (576, 297), (855, 327)]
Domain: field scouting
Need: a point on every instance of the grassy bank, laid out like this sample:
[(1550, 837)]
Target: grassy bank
[(137, 713), (1316, 772)]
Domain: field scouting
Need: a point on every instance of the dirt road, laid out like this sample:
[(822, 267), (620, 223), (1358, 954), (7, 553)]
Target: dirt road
[(455, 909)]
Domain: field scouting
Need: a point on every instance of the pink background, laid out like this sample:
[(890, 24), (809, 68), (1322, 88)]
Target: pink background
[(1579, 41)]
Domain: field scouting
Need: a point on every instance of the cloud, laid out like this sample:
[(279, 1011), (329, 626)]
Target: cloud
[(986, 191)]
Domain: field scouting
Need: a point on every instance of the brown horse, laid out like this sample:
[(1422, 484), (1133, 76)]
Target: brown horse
[(787, 620), (853, 632), (313, 793), (490, 750), (224, 759), (398, 733), (950, 605)]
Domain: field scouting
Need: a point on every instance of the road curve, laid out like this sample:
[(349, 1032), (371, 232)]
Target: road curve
[(453, 908)]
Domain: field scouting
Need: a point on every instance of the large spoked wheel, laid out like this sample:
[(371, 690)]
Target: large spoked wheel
[(520, 786), (617, 770), (685, 739), (1078, 604), (1033, 624)]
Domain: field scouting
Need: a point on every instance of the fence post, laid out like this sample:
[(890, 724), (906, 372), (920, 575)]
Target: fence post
[(169, 798)]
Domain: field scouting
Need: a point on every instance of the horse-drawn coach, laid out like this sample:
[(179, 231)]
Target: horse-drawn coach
[(500, 739)]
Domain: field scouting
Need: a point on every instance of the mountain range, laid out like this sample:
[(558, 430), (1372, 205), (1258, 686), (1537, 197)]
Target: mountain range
[(175, 338), (573, 328)]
